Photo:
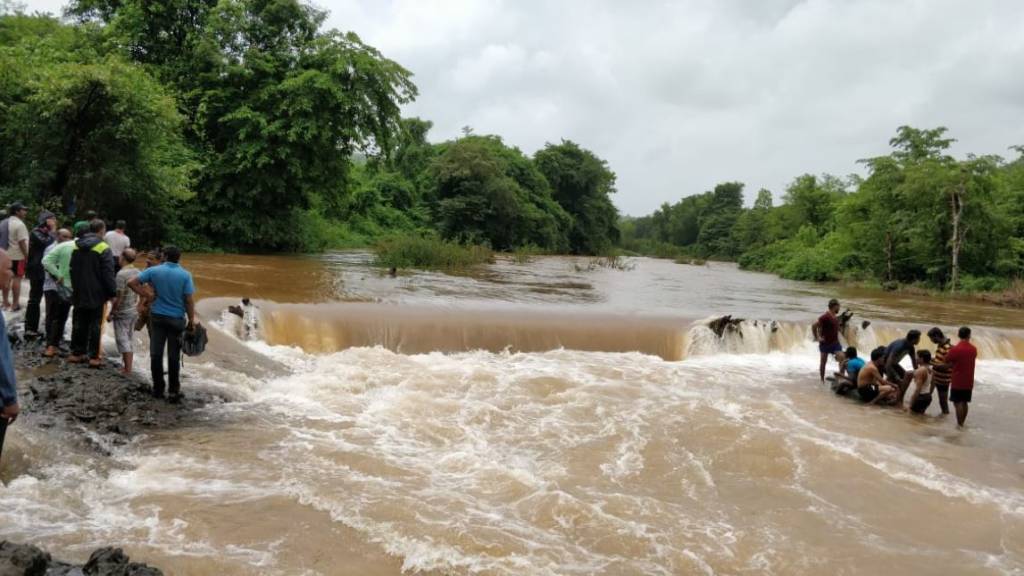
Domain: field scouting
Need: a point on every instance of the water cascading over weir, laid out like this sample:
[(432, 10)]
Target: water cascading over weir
[(325, 328)]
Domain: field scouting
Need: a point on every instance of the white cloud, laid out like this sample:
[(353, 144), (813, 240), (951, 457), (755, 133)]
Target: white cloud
[(680, 95)]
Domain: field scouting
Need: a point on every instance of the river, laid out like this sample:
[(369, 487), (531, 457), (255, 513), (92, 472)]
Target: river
[(554, 417)]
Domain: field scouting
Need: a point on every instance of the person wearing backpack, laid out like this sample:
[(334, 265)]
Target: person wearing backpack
[(172, 313), (92, 275)]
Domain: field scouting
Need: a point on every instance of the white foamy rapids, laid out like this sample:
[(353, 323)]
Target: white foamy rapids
[(748, 337), (75, 500), (582, 463), (561, 462)]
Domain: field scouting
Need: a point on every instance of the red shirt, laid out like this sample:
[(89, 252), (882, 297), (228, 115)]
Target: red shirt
[(828, 328), (961, 357)]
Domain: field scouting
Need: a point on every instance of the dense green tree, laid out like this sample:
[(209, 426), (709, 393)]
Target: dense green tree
[(1011, 204), (718, 219), (412, 153), (813, 203), (582, 184), (751, 229), (486, 192), (277, 107), (81, 129)]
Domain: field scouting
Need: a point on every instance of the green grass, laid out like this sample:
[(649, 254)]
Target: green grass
[(526, 254), (428, 252)]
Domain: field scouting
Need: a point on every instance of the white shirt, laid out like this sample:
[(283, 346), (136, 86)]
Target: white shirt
[(118, 243), (18, 232)]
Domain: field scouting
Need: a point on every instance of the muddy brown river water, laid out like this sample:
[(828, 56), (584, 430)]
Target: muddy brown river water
[(541, 418)]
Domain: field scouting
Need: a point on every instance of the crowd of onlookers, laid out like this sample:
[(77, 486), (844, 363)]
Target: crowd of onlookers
[(88, 274), (947, 373)]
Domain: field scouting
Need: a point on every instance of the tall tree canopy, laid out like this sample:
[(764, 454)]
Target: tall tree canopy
[(276, 105), (582, 184), (485, 192), (80, 128), (246, 125)]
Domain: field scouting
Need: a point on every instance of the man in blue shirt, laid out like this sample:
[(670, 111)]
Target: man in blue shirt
[(8, 386), (894, 353), (168, 312), (850, 365)]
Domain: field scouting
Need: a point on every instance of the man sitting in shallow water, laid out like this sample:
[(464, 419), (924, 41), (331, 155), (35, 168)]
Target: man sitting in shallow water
[(872, 387), (850, 365)]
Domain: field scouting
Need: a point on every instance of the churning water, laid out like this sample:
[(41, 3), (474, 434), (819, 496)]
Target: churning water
[(541, 419)]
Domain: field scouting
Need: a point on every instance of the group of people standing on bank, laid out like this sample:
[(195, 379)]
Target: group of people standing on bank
[(948, 372), (89, 274)]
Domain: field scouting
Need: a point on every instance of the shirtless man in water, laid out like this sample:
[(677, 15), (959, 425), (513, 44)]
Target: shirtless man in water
[(872, 387), (921, 398)]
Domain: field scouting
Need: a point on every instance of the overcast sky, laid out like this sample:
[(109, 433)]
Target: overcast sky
[(678, 96)]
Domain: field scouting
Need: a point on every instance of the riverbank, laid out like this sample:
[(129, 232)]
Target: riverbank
[(28, 560), (1011, 297), (107, 407)]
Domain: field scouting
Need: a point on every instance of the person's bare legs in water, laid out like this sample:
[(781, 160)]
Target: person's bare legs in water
[(826, 332), (961, 412)]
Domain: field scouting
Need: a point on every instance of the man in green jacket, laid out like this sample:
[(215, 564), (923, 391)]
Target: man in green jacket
[(57, 263)]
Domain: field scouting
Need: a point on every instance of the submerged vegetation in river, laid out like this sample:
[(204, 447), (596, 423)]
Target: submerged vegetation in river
[(427, 252)]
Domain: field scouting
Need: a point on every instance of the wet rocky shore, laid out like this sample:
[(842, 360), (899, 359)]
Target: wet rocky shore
[(105, 402), (27, 560)]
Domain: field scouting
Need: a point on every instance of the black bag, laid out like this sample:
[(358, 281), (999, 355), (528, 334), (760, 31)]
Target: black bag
[(63, 293), (194, 343)]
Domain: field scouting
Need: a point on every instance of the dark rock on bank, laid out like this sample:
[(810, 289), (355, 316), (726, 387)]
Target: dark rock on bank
[(27, 560)]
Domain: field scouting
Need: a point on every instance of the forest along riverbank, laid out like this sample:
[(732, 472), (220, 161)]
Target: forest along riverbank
[(382, 456)]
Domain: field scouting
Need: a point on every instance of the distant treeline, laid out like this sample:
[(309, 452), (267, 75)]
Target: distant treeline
[(920, 216), (245, 125)]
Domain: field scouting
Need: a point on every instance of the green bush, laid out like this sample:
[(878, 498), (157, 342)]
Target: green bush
[(525, 254), (766, 258), (810, 264), (414, 251), (983, 283)]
